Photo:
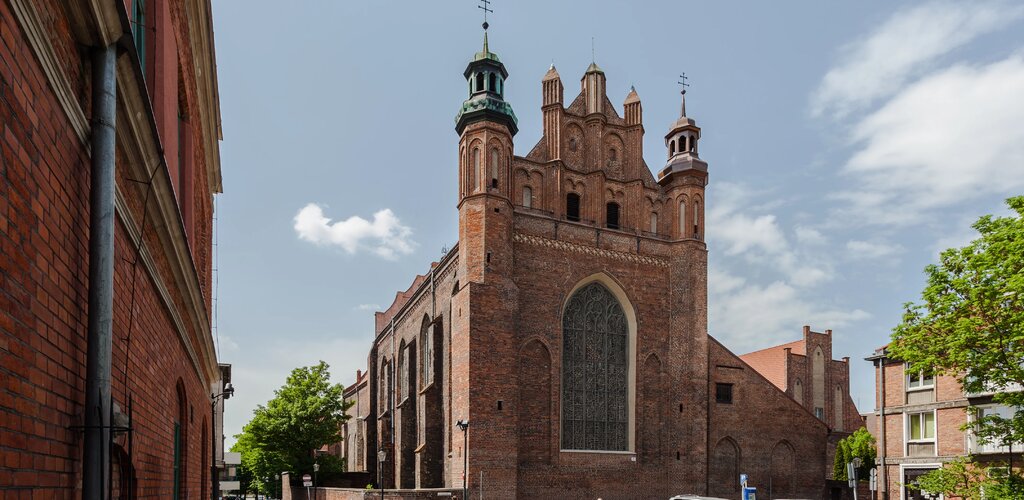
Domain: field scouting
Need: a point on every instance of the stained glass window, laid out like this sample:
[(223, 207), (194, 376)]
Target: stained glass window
[(595, 363)]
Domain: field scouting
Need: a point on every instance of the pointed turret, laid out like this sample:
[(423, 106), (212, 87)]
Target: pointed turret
[(486, 76), (685, 175), (593, 86), (631, 107), (681, 142)]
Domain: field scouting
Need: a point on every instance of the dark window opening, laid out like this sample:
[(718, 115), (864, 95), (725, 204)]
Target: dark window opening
[(672, 147), (572, 207), (479, 82), (819, 412), (494, 183), (139, 31), (494, 83), (572, 144), (723, 393), (612, 215), (499, 404), (613, 154), (693, 143)]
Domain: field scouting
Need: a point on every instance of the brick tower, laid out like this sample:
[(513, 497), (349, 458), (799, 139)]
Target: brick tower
[(485, 305)]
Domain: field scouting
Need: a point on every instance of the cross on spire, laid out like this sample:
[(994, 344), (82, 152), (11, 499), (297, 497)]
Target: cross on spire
[(682, 83), (485, 5)]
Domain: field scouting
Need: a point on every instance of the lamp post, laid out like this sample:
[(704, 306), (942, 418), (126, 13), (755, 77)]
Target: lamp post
[(316, 468), (229, 390), (464, 425), (382, 456)]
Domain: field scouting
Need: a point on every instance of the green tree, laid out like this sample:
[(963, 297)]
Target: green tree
[(305, 414), (860, 444), (971, 323), (958, 478)]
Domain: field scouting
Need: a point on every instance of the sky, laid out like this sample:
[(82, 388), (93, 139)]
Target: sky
[(848, 143)]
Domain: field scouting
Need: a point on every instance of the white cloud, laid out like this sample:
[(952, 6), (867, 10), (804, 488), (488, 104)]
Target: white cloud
[(758, 238), (951, 137), (368, 307), (385, 236), (748, 316), (809, 236), (872, 250), (899, 49)]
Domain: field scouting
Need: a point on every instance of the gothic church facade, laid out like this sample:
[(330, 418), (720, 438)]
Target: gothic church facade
[(569, 326)]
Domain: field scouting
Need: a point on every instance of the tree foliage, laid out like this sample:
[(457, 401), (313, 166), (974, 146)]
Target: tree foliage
[(965, 479), (305, 414), (971, 323), (860, 444)]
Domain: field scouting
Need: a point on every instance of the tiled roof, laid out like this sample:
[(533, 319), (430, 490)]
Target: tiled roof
[(771, 362)]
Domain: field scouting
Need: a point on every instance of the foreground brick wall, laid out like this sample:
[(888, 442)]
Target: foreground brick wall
[(44, 233)]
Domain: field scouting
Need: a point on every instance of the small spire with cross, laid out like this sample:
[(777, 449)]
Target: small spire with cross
[(682, 84)]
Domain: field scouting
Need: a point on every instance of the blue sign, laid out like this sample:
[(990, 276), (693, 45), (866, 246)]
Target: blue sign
[(749, 493)]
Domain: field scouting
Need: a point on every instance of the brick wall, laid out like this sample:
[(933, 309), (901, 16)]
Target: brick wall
[(44, 232)]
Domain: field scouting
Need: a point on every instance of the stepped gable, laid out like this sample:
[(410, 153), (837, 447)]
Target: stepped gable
[(382, 319)]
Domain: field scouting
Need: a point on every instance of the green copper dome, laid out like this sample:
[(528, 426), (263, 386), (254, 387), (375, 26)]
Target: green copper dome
[(486, 76)]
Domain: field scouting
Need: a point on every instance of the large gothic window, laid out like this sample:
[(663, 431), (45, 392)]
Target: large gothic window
[(595, 371)]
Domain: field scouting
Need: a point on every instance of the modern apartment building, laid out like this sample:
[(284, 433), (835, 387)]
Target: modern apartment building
[(918, 422)]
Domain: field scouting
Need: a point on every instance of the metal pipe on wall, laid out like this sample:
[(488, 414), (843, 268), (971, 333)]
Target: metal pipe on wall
[(96, 460)]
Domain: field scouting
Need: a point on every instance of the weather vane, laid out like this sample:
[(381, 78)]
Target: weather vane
[(486, 6), (682, 82)]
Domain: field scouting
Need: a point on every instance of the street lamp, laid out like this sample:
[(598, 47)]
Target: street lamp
[(382, 456), (464, 425), (229, 391)]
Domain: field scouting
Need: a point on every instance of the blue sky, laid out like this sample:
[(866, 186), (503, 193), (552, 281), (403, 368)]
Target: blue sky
[(847, 142)]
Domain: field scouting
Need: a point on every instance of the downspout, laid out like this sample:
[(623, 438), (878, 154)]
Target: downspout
[(96, 462), (881, 429)]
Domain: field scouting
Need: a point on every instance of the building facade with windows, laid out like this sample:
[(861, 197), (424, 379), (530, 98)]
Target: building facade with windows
[(804, 370), (569, 325), (918, 424), (60, 62)]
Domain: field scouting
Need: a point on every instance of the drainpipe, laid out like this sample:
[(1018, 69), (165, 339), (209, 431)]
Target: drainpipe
[(96, 462), (881, 429)]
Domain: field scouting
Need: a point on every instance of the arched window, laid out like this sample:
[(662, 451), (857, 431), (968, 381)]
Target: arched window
[(837, 407), (473, 184), (382, 386), (693, 143), (696, 219), (204, 467), (672, 147), (654, 222), (572, 207), (611, 213), (427, 341), (181, 445), (818, 382), (682, 143), (494, 83), (403, 372), (595, 371), (682, 218), (494, 167), (479, 82), (798, 391), (527, 196), (499, 86)]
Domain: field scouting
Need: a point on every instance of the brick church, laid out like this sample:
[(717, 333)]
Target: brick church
[(569, 326)]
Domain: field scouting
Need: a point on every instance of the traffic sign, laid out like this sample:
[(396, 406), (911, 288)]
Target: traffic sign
[(307, 480), (873, 480)]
